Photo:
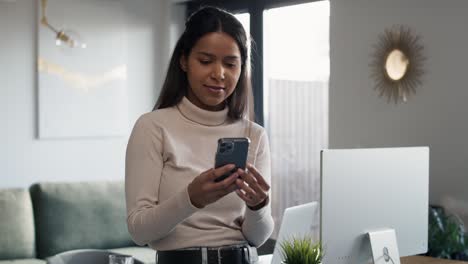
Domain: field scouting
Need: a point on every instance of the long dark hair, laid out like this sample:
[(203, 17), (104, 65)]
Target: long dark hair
[(203, 21)]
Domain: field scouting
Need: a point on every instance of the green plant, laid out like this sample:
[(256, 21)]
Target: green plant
[(301, 251), (447, 238)]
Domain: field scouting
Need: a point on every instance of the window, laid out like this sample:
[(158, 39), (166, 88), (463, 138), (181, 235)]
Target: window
[(295, 100), (244, 18)]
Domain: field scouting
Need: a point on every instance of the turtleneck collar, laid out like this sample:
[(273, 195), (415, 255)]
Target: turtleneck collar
[(202, 116)]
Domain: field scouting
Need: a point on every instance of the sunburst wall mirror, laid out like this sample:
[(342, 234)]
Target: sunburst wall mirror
[(397, 63)]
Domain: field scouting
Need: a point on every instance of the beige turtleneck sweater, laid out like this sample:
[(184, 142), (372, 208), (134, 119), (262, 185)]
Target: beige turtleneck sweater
[(167, 149)]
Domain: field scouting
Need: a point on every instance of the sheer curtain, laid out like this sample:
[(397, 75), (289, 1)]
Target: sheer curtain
[(296, 63), (298, 130)]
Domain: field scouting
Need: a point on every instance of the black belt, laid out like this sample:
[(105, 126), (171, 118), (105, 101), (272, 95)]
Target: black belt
[(222, 255)]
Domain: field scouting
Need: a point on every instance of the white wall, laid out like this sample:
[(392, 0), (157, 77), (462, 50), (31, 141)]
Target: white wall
[(436, 116), (25, 159)]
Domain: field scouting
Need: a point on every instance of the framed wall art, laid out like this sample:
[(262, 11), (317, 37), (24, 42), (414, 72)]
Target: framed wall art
[(81, 69)]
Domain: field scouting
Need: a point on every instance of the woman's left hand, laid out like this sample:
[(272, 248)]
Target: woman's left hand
[(253, 188)]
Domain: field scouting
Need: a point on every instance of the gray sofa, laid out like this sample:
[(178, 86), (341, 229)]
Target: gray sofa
[(51, 218)]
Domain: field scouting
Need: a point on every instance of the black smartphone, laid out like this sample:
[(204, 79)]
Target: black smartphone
[(231, 151)]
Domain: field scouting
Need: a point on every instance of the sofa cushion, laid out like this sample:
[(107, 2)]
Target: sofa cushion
[(23, 261), (78, 215), (17, 238), (144, 254)]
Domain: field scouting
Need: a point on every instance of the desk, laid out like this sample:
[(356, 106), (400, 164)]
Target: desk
[(266, 259), (427, 260)]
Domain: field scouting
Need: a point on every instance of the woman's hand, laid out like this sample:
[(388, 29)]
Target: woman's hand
[(203, 190), (253, 189)]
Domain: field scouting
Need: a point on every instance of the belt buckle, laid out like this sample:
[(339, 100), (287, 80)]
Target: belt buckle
[(219, 256), (204, 252)]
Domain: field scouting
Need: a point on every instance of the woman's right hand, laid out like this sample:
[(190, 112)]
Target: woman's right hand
[(203, 190)]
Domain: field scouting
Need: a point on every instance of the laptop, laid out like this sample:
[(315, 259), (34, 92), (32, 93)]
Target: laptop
[(297, 221)]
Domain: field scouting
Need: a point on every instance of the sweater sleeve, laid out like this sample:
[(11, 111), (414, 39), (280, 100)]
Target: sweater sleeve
[(258, 225), (149, 219)]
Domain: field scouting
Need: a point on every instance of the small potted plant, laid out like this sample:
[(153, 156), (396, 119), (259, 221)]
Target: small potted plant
[(301, 250)]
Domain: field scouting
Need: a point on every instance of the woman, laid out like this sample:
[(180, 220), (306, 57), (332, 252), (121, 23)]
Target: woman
[(173, 202)]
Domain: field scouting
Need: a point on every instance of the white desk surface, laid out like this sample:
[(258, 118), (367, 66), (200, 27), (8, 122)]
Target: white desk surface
[(265, 259)]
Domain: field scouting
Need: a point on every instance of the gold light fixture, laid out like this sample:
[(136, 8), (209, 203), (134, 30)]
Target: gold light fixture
[(62, 36), (397, 63)]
